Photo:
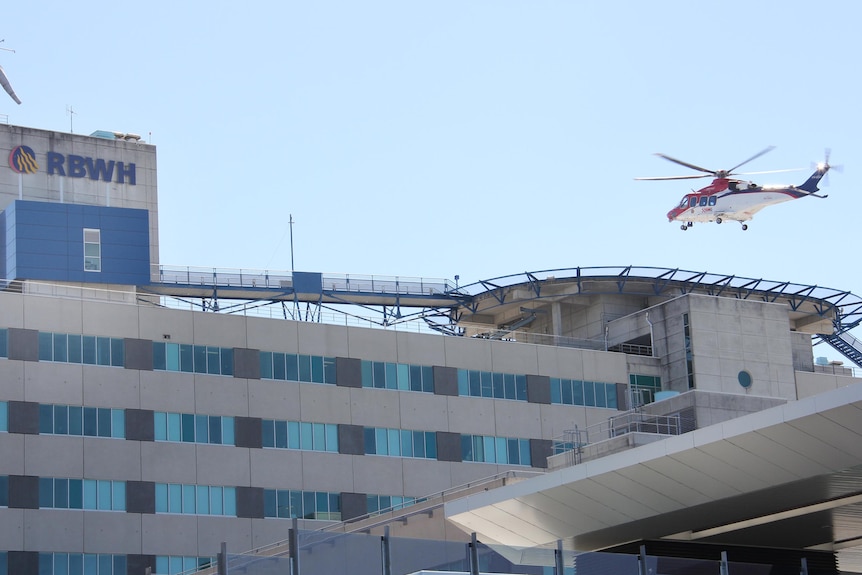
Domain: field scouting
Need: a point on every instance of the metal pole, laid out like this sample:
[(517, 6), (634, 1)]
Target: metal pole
[(474, 555), (642, 564), (804, 570), (386, 551), (558, 558), (221, 560), (723, 569), (293, 543), (291, 243)]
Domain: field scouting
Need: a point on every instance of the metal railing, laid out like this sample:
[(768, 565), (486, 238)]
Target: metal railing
[(578, 441), (273, 279)]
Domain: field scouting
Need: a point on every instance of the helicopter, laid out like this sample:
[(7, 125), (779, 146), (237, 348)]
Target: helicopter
[(731, 199), (4, 81)]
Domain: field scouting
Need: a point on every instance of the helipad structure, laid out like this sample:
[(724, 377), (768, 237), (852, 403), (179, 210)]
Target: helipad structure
[(150, 413)]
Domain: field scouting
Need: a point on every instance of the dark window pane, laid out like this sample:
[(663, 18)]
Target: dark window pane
[(201, 428), (200, 358), (521, 387), (329, 371), (467, 448), (159, 356), (304, 367), (379, 374), (61, 493), (76, 421), (76, 494), (269, 503), (370, 444), (46, 346), (428, 379), (46, 492), (278, 371), (61, 420), (416, 378), (265, 365), (46, 419), (88, 344), (268, 432), (317, 369), (188, 427), (187, 363), (60, 347), (103, 351), (281, 434), (578, 392), (227, 361), (90, 424), (499, 386), (118, 347), (292, 365), (74, 349), (215, 430), (104, 423)]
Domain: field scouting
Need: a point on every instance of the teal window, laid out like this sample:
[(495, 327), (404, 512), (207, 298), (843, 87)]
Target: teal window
[(300, 435), (4, 416), (474, 383), (195, 499), (588, 393), (500, 450), (92, 250), (4, 342), (4, 491), (4, 564), (400, 443), (90, 494), (288, 503), (294, 367), (401, 376), (82, 421), (81, 564), (175, 565), (192, 358), (689, 357), (377, 504), (81, 349), (193, 428), (643, 388)]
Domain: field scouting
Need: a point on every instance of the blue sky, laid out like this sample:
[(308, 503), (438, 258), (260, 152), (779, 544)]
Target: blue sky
[(479, 138)]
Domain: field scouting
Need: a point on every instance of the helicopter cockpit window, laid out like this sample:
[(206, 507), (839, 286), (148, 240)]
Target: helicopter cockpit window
[(684, 202), (692, 202), (703, 200)]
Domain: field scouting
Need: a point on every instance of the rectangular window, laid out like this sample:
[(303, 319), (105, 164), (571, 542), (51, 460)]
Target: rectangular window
[(92, 250), (4, 416)]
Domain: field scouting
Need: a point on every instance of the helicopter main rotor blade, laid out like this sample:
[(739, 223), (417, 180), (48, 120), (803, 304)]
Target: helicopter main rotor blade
[(686, 164), (675, 177), (754, 157)]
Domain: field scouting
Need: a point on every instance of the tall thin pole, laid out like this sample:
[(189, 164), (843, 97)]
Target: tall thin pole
[(291, 243)]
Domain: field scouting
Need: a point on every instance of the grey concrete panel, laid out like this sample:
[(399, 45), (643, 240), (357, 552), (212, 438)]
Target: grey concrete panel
[(54, 455), (351, 439), (248, 432), (23, 417), (12, 448), (220, 395), (12, 380), (108, 387), (140, 497), (111, 532), (246, 363), (327, 471), (353, 505), (348, 372), (377, 474), (274, 399), (57, 383), (539, 389), (55, 529), (139, 425), (138, 354), (136, 564), (113, 459), (23, 492), (277, 468), (167, 391), (23, 562), (448, 446), (221, 465), (235, 532), (445, 380), (166, 462), (169, 534), (425, 476), (249, 502), (540, 451), (23, 344), (11, 530), (424, 411)]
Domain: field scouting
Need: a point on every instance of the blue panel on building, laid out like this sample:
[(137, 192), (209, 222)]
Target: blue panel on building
[(45, 241)]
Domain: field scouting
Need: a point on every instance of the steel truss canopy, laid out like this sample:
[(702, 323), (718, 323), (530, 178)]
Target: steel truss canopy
[(443, 304)]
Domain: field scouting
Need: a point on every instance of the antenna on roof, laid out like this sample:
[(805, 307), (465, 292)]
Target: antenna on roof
[(71, 113)]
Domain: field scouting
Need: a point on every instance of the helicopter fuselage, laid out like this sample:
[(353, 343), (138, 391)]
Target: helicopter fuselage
[(730, 200)]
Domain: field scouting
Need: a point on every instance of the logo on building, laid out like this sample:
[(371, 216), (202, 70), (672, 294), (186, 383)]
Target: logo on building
[(22, 160)]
